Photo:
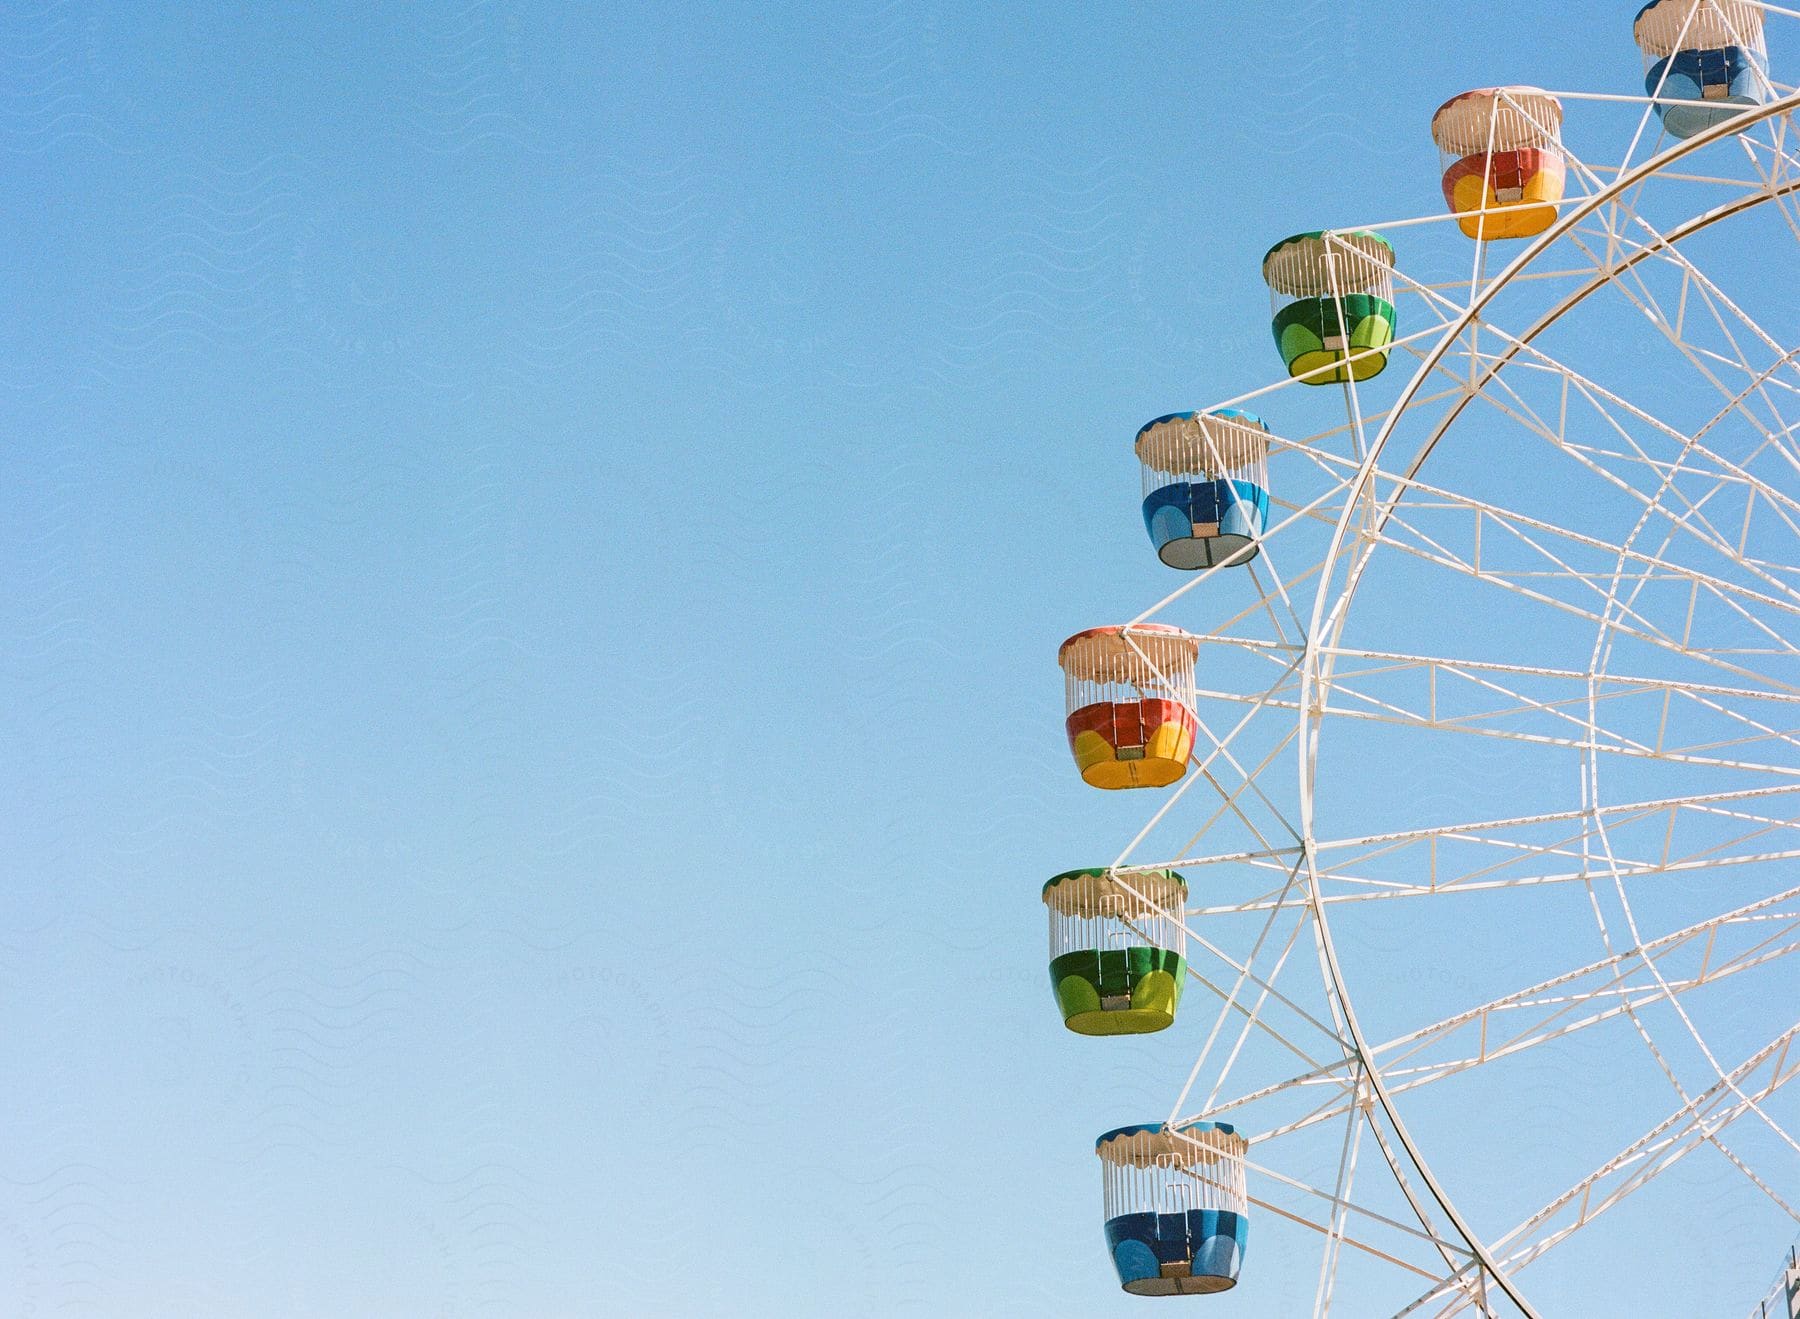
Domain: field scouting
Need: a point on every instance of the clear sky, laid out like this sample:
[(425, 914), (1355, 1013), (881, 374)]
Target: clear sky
[(535, 538)]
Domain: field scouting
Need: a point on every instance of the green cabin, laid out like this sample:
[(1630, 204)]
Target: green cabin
[(1117, 949), (1333, 302)]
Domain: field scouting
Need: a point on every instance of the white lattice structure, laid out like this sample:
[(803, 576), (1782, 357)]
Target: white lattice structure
[(1498, 737)]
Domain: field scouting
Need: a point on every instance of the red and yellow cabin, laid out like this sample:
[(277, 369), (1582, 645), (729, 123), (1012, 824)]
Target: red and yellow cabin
[(1505, 170), (1131, 704)]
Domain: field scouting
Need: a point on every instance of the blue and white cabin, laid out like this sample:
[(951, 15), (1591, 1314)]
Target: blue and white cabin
[(1206, 486), (1177, 1208), (1705, 61)]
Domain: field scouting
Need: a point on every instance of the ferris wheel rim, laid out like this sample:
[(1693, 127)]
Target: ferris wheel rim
[(1318, 659)]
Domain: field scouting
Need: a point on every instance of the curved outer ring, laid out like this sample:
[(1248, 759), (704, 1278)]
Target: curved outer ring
[(1316, 666)]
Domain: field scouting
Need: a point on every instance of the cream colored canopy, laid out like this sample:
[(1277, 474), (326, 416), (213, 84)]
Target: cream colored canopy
[(1204, 443), (1197, 1146), (1096, 893), (1662, 29), (1302, 266), (1103, 654), (1497, 119)]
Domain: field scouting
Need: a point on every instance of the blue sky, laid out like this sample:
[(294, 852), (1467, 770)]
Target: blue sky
[(537, 543)]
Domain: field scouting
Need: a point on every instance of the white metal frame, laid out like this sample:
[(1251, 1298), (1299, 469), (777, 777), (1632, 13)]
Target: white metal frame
[(1361, 491)]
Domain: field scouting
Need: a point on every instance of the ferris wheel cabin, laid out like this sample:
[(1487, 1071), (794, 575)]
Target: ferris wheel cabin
[(1206, 486), (1177, 1207), (1504, 167), (1333, 300), (1117, 949), (1706, 60), (1130, 693)]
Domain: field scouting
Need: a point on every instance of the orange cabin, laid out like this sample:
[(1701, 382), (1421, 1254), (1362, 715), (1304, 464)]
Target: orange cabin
[(1132, 744), (1131, 721), (1533, 178), (1506, 170)]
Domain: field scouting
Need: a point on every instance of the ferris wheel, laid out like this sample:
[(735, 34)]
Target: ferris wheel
[(1473, 876)]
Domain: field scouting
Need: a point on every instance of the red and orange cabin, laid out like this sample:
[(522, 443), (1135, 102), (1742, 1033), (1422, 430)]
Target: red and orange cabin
[(1130, 691), (1505, 170)]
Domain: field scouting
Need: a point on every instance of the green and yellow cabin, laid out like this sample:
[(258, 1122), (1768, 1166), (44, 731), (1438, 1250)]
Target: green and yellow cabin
[(1503, 161), (1117, 949), (1333, 299)]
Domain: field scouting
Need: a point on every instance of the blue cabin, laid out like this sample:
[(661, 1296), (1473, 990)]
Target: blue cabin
[(1206, 486), (1705, 61), (1177, 1209)]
